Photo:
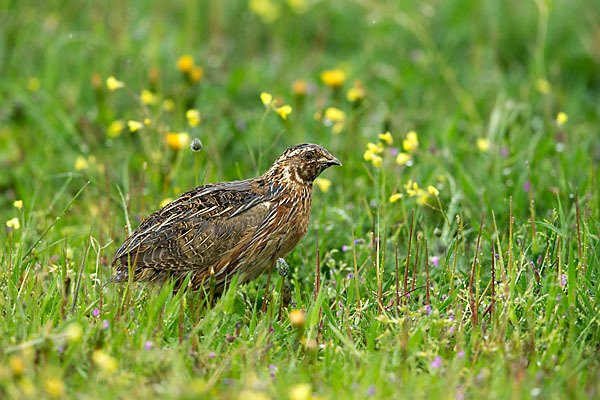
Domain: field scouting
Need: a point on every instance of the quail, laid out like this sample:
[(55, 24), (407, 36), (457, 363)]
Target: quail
[(218, 230)]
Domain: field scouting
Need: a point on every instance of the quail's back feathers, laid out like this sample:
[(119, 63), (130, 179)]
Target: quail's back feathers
[(227, 228)]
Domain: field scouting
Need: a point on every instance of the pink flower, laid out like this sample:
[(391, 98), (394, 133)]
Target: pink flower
[(96, 312), (436, 363)]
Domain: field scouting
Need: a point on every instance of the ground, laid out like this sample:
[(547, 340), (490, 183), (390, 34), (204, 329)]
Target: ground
[(491, 162)]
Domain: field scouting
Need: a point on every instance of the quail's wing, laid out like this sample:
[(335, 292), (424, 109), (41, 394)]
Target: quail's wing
[(198, 228)]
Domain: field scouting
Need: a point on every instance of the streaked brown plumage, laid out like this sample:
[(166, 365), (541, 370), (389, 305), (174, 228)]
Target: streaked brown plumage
[(229, 227)]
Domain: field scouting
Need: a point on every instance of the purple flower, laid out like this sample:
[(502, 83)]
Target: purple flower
[(350, 275), (212, 354), (96, 312), (357, 241), (563, 280), (558, 297), (451, 317), (436, 363), (148, 345), (60, 349), (526, 186), (273, 370), (435, 260), (451, 330), (371, 390), (460, 354), (427, 309), (345, 248), (393, 151), (105, 324), (504, 151)]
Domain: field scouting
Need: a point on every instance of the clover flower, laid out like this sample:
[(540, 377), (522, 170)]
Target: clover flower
[(284, 111), (104, 361), (178, 140), (483, 144), (55, 387), (433, 190), (267, 10), (148, 97), (561, 118), (193, 117), (403, 158), (115, 128), (323, 184), (386, 137), (134, 125), (185, 63), (333, 77), (299, 87), (411, 143), (395, 197), (113, 83), (13, 223), (81, 163), (266, 98)]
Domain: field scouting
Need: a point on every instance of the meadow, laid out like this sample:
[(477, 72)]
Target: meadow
[(455, 254)]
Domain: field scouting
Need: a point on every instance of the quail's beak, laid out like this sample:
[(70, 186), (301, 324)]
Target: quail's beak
[(331, 160)]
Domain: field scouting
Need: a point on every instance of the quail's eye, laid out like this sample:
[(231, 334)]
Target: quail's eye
[(309, 156)]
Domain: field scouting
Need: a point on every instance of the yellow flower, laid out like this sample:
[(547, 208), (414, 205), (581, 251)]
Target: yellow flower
[(433, 190), (355, 94), (368, 155), (300, 391), (13, 223), (299, 87), (298, 6), (267, 10), (423, 196), (337, 127), (403, 158), (17, 365), (185, 64), (395, 197), (148, 97), (74, 332), (284, 111), (104, 361), (168, 105), (178, 141), (18, 204), (297, 318), (134, 125), (333, 77), (147, 121), (376, 161), (55, 388), (323, 184), (543, 86), (561, 118), (266, 99), (33, 84), (386, 137), (196, 74), (411, 142), (193, 117), (483, 144), (412, 189), (165, 201), (81, 163), (115, 128), (375, 148), (113, 83), (335, 114)]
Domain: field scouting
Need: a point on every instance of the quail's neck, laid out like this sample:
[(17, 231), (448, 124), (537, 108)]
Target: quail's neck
[(286, 177)]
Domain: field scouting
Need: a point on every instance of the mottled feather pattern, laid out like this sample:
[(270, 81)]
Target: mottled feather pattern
[(228, 228)]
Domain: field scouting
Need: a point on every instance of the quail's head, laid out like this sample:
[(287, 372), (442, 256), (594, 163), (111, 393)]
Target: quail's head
[(304, 162)]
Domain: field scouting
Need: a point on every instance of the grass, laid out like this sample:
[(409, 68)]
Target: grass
[(498, 295)]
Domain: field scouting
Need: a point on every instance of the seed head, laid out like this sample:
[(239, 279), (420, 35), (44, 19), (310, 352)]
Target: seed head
[(196, 144)]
